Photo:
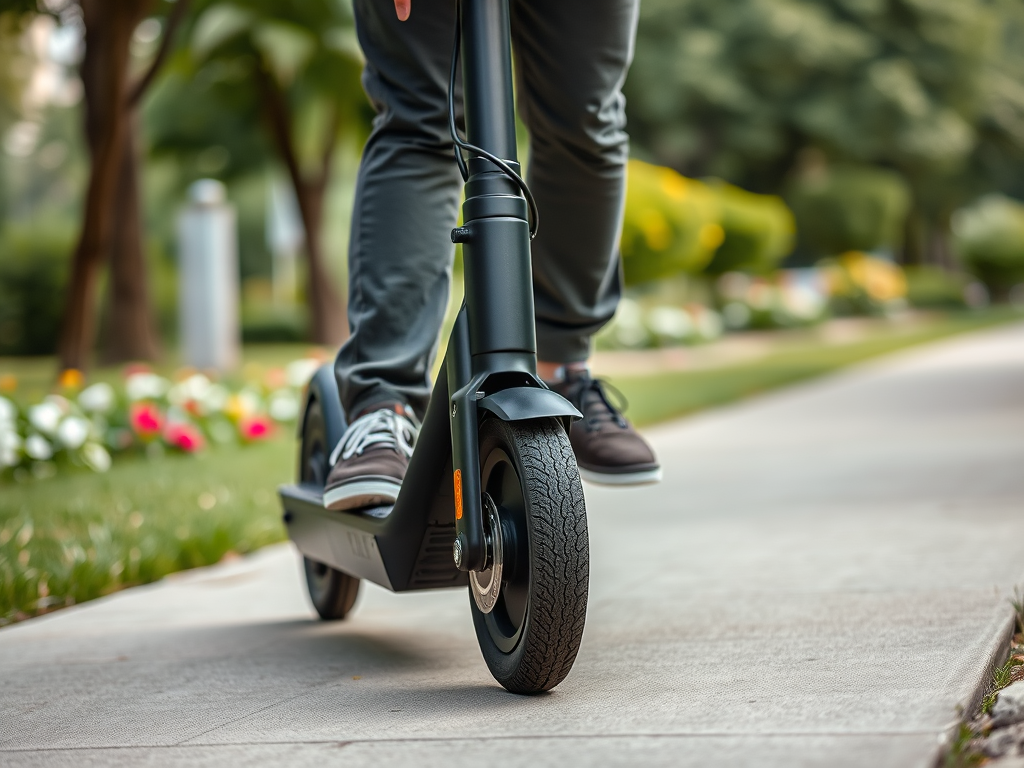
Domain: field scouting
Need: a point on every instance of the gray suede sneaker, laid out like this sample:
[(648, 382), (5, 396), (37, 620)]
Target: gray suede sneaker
[(608, 449), (369, 462)]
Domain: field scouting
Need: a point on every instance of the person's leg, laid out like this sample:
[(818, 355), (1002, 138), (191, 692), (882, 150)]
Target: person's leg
[(400, 250), (572, 59), (407, 194)]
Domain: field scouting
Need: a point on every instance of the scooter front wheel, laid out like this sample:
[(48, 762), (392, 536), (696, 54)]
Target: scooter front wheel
[(530, 606)]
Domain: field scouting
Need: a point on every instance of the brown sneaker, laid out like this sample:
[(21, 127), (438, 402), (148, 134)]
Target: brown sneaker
[(608, 449), (369, 462)]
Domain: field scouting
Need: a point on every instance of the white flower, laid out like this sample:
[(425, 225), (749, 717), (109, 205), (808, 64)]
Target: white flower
[(10, 446), (96, 457), (299, 372), (670, 322), (195, 387), (283, 406), (628, 327), (98, 398), (216, 398), (38, 448), (45, 417), (249, 402), (8, 413), (72, 432), (146, 386)]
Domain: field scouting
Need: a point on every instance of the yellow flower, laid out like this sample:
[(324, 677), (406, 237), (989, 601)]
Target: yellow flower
[(880, 279), (71, 378), (673, 185), (711, 236), (656, 230), (8, 382)]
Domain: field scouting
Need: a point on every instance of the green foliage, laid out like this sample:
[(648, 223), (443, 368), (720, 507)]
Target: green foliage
[(934, 288), (735, 89), (990, 237), (759, 231), (268, 324), (33, 272), (674, 225), (210, 111), (670, 226), (849, 208)]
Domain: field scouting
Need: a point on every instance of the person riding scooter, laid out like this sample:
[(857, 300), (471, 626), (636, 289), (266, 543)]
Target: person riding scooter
[(571, 59)]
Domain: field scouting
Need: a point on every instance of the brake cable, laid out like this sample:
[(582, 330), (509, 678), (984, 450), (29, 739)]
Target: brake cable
[(461, 144)]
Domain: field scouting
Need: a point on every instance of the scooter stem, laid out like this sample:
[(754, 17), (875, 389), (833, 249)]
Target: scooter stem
[(499, 310)]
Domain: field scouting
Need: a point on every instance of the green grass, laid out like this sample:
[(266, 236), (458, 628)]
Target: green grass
[(669, 395), (80, 535)]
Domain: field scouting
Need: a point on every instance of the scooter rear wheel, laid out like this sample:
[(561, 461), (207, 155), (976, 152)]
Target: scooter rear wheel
[(332, 592), (531, 635)]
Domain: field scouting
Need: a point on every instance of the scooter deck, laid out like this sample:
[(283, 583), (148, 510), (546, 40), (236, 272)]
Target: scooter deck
[(410, 548), (358, 544)]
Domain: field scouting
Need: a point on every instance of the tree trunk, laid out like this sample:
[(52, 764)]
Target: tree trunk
[(326, 307), (104, 70), (130, 332)]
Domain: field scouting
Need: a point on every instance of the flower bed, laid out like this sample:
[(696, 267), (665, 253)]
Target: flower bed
[(89, 425)]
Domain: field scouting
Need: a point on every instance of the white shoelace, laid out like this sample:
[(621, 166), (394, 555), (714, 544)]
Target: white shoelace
[(384, 428)]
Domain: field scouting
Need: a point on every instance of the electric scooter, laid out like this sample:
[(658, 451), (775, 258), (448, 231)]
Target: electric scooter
[(492, 497)]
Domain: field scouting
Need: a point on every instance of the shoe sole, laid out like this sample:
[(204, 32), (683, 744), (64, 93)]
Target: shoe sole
[(643, 477), (377, 492)]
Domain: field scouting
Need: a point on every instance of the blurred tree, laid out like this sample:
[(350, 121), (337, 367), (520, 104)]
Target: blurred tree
[(112, 191), (104, 71), (292, 67), (130, 328), (739, 89)]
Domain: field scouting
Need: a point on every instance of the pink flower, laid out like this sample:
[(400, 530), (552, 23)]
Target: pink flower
[(253, 428), (184, 437), (146, 419)]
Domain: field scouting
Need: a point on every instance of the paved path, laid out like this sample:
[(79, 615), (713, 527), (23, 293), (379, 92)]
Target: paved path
[(821, 580)]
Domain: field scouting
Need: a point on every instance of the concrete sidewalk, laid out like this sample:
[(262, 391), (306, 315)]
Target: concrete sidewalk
[(821, 580)]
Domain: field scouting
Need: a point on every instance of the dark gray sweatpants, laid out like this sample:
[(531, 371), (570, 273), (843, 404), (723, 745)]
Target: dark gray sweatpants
[(571, 59)]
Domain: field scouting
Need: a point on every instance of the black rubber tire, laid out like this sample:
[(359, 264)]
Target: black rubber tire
[(531, 637), (332, 592)]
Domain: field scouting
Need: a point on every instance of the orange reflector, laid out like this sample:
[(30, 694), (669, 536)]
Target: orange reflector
[(458, 494)]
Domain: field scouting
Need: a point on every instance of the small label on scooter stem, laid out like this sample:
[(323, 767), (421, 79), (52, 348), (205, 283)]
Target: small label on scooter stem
[(458, 494)]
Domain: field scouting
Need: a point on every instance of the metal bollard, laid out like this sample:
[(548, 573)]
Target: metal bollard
[(208, 279)]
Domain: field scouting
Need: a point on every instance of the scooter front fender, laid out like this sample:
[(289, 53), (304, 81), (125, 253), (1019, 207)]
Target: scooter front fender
[(520, 403)]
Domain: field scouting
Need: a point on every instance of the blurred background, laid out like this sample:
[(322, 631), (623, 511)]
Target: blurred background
[(813, 183)]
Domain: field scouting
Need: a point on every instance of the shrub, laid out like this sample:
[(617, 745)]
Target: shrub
[(758, 229), (33, 273), (990, 237), (863, 284), (934, 288), (671, 224), (850, 208)]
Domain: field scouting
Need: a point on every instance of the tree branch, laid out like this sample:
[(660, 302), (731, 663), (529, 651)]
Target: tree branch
[(280, 124), (174, 19), (330, 144)]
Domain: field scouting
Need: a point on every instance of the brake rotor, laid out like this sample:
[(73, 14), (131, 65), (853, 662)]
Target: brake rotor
[(486, 585)]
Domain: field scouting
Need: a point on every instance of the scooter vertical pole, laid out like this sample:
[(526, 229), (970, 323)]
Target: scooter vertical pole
[(497, 325)]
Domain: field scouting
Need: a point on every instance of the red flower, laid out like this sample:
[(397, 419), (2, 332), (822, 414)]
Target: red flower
[(146, 419), (253, 428), (184, 437)]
